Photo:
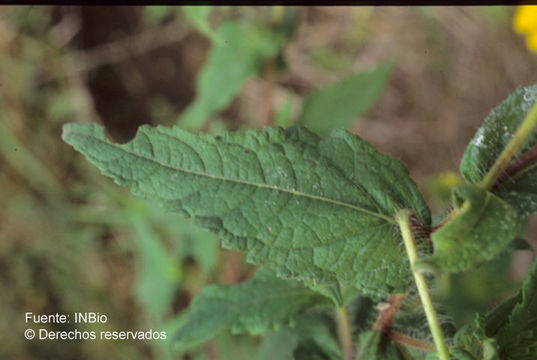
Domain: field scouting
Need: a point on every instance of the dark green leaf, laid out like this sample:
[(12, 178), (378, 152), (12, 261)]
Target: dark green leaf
[(317, 337), (336, 105), (363, 313), (238, 54), (312, 337), (311, 209), (520, 190), (331, 291), (514, 322), (509, 331), (482, 226), (253, 307)]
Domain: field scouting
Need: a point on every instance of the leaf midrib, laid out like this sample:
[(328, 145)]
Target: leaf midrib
[(239, 181)]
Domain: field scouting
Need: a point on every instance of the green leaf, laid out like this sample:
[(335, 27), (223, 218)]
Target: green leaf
[(514, 322), (509, 331), (283, 115), (520, 189), (335, 106), (362, 313), (317, 337), (262, 303), (481, 227), (199, 17), (238, 55), (331, 291), (312, 337), (374, 345), (160, 273), (311, 209), (277, 345)]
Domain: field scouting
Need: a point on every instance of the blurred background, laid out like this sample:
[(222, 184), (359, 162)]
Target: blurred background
[(416, 82)]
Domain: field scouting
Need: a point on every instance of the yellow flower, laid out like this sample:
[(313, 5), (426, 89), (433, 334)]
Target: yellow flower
[(525, 22), (531, 41)]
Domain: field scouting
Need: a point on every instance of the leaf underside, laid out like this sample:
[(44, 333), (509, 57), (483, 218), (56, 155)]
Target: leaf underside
[(483, 226), (318, 210), (519, 190)]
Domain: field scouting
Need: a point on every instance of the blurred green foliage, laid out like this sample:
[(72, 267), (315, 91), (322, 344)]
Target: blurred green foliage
[(336, 105), (238, 54), (70, 240)]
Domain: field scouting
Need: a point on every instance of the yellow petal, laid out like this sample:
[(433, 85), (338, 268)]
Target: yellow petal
[(531, 41), (525, 19)]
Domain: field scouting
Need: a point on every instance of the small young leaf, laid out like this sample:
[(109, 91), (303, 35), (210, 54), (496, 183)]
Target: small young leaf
[(336, 105), (482, 226), (520, 188), (259, 304), (311, 209), (238, 54)]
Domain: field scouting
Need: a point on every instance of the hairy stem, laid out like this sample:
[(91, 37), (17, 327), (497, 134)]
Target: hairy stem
[(345, 335), (502, 162), (386, 316), (410, 341), (520, 164), (403, 219)]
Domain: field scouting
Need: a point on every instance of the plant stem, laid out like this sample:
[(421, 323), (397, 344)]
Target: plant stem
[(345, 334), (519, 165), (511, 149), (403, 219), (386, 316), (409, 341)]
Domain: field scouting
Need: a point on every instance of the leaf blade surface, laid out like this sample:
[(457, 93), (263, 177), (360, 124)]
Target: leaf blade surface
[(520, 189), (311, 209), (483, 225)]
